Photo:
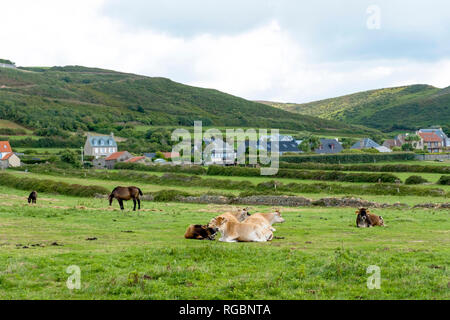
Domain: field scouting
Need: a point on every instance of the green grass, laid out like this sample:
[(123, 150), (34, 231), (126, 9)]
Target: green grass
[(322, 255)]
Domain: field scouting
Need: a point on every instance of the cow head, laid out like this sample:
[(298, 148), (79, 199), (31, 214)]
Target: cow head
[(217, 223)]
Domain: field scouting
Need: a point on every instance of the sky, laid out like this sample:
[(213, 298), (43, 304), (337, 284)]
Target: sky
[(285, 50)]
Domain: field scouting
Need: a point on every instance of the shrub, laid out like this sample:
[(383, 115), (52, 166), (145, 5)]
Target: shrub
[(415, 180), (444, 180)]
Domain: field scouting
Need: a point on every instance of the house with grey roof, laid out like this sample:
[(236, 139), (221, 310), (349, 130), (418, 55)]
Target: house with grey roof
[(365, 143), (100, 146), (329, 146), (283, 146)]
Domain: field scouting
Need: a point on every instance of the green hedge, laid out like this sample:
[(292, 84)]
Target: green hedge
[(305, 175), (373, 189), (198, 170), (444, 180), (415, 180), (50, 186), (367, 167), (349, 158)]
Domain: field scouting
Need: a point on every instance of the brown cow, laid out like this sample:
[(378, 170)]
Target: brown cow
[(199, 232), (365, 219)]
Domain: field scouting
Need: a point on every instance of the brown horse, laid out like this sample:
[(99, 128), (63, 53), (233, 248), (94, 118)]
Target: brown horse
[(32, 197), (126, 193)]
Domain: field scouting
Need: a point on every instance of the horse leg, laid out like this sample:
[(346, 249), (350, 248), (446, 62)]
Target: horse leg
[(139, 203), (120, 203), (134, 201)]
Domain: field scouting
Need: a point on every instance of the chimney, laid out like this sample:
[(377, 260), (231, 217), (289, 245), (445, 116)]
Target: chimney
[(112, 134)]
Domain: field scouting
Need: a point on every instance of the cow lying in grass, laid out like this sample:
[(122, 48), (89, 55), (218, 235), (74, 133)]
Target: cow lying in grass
[(266, 219), (233, 231), (199, 232), (238, 216), (365, 219)]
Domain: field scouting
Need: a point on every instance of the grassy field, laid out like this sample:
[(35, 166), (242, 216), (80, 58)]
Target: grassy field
[(143, 255)]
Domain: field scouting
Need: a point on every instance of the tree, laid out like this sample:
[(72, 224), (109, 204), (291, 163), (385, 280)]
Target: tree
[(70, 157), (309, 144)]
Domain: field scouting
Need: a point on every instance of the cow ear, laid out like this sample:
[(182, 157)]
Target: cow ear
[(357, 211)]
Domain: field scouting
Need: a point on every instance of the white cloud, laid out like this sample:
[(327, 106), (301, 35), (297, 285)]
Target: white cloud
[(263, 62)]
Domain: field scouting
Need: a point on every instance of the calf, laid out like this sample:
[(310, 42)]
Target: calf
[(365, 219), (199, 232), (32, 197)]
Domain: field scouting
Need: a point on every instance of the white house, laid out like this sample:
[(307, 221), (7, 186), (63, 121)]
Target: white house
[(219, 152), (100, 146), (7, 157)]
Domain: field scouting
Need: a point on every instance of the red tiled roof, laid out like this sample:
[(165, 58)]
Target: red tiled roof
[(430, 137), (5, 147), (168, 155), (7, 156), (115, 155), (135, 159)]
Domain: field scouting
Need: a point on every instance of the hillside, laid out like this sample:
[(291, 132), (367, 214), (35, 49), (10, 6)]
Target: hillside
[(390, 109), (78, 98)]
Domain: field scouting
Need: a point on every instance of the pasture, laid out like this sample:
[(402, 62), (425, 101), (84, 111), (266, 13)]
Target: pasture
[(318, 253)]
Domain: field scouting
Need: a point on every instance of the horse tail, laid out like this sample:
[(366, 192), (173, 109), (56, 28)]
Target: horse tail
[(140, 192)]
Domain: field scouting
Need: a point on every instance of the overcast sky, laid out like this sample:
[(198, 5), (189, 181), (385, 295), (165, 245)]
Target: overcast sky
[(285, 50)]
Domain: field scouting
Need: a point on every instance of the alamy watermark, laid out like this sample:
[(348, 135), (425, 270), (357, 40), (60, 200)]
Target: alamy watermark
[(238, 147), (74, 280), (374, 281), (374, 19)]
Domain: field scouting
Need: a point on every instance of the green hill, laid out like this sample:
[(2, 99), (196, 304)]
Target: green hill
[(390, 109), (78, 98)]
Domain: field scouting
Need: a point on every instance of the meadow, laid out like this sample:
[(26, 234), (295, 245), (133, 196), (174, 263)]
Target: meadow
[(318, 253)]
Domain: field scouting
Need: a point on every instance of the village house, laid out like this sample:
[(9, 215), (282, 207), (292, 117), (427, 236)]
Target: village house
[(328, 146), (365, 143), (398, 141), (100, 146), (219, 152), (7, 157), (141, 160), (111, 160), (440, 133), (431, 141)]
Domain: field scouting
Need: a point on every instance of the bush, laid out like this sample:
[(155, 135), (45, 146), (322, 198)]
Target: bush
[(415, 180), (444, 180)]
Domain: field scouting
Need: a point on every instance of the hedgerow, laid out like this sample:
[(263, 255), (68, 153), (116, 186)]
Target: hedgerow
[(50, 186), (367, 167), (305, 175), (198, 170), (349, 158)]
